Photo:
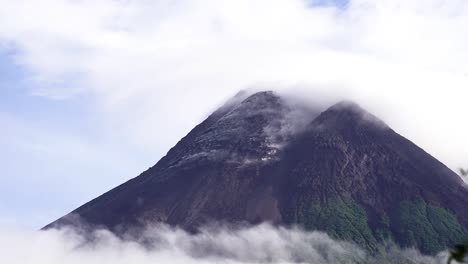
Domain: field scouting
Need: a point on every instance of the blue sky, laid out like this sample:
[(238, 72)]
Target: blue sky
[(337, 3), (94, 92), (43, 176)]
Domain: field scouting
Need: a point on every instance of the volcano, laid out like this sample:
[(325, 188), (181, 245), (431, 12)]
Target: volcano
[(260, 158)]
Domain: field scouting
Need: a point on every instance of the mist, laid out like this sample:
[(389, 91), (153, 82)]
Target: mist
[(123, 81), (262, 243)]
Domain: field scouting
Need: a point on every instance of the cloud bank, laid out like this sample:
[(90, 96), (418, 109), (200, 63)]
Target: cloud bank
[(146, 72), (255, 244), (147, 63)]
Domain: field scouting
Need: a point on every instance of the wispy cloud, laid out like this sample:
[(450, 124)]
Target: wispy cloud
[(221, 244), (151, 70), (153, 62)]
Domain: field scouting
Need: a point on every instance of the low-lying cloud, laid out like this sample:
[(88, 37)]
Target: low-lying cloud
[(221, 244)]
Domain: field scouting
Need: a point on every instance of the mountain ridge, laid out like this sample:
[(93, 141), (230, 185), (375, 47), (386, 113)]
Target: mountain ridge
[(343, 171)]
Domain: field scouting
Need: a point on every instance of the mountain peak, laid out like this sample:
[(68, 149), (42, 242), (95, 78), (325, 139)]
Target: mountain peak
[(260, 103), (263, 95), (249, 101), (348, 115), (253, 161), (262, 99), (347, 105)]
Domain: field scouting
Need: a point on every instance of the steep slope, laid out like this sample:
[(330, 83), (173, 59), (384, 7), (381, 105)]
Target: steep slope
[(354, 177), (260, 158), (211, 173)]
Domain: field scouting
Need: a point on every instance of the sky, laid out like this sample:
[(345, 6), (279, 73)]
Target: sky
[(93, 92)]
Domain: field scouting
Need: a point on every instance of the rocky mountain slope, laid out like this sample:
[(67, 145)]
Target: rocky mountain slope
[(259, 158)]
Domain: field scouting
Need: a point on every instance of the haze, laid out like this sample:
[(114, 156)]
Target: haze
[(106, 87)]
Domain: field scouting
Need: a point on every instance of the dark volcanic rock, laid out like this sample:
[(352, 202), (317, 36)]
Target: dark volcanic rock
[(260, 158)]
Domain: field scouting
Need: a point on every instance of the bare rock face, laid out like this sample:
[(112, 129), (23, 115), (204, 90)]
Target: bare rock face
[(259, 158)]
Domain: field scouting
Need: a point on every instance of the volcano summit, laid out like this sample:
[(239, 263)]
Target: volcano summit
[(259, 158)]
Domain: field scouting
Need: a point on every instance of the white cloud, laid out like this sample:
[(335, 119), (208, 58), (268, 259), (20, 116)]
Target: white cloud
[(156, 68), (256, 244)]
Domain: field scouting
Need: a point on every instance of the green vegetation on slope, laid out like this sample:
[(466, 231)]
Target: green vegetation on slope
[(414, 224), (340, 218), (383, 233), (427, 227)]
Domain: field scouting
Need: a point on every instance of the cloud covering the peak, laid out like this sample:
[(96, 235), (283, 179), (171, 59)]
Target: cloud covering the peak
[(141, 58), (148, 71)]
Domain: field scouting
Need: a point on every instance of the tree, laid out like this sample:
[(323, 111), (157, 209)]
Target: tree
[(464, 172), (458, 253)]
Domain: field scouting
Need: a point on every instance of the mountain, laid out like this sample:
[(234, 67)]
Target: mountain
[(262, 158)]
